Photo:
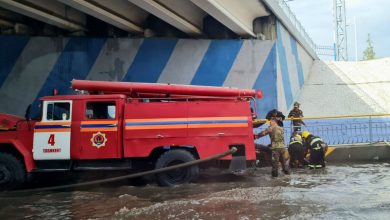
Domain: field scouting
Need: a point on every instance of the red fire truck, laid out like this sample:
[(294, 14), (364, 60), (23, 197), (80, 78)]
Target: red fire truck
[(122, 125)]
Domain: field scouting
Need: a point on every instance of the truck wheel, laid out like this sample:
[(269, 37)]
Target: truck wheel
[(12, 172), (179, 176)]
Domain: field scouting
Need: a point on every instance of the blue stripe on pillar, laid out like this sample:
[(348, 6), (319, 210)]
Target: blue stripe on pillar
[(298, 63), (75, 62), (266, 81), (150, 60), (10, 49), (283, 66), (217, 62)]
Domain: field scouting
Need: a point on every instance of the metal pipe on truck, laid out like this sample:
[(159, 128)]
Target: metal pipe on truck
[(172, 89)]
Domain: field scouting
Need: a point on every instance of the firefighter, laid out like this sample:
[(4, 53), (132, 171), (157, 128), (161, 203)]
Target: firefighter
[(296, 113), (274, 113), (317, 149), (296, 152), (278, 150)]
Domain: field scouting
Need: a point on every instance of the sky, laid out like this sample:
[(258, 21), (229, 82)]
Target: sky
[(372, 17)]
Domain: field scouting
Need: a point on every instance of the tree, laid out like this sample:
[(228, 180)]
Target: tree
[(369, 53)]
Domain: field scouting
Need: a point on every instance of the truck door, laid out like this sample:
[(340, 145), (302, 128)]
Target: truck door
[(52, 134), (100, 130)]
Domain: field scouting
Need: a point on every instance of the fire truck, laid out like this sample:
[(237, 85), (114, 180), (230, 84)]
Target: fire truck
[(127, 126)]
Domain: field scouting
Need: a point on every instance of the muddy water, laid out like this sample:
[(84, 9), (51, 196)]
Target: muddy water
[(354, 191)]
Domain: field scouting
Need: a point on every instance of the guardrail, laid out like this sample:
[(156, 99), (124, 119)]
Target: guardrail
[(357, 129), (296, 23)]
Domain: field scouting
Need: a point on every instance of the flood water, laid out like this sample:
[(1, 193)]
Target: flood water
[(343, 191)]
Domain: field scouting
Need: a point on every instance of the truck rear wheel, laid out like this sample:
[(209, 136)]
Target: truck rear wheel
[(178, 176), (12, 172)]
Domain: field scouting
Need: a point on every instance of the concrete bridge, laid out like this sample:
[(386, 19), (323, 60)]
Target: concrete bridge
[(247, 44)]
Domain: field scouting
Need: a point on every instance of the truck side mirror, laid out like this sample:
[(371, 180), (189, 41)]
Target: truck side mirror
[(27, 115)]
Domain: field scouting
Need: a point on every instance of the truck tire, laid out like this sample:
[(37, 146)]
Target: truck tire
[(12, 172), (179, 176)]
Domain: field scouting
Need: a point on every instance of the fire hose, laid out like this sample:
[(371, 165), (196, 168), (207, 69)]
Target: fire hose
[(129, 176)]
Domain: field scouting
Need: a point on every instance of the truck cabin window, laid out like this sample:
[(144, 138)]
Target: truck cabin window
[(59, 111), (100, 110)]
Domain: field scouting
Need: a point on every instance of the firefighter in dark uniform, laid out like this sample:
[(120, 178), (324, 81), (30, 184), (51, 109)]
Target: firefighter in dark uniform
[(276, 134), (296, 113), (317, 149), (278, 115), (296, 152)]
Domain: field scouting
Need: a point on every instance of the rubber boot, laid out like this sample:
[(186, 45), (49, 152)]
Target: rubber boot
[(275, 173)]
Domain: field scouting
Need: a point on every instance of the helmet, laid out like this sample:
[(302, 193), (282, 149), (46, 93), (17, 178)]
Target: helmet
[(305, 134), (296, 104)]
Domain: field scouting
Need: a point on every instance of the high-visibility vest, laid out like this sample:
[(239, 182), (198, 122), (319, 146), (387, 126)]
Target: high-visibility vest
[(315, 140), (295, 142)]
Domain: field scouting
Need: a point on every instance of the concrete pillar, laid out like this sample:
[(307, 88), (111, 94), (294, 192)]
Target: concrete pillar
[(265, 27)]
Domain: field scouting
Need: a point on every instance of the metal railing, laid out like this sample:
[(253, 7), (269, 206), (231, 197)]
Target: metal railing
[(324, 50), (296, 23), (360, 129)]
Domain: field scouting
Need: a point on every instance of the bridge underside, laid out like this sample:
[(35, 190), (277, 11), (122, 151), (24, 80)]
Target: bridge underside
[(137, 18)]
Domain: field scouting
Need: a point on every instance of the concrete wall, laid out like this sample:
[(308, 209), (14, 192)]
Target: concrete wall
[(347, 88), (293, 68), (358, 153), (31, 67)]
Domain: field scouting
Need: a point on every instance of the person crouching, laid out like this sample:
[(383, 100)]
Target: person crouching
[(317, 149), (296, 152)]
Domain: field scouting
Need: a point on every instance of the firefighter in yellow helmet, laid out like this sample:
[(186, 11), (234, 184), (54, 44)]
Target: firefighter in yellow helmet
[(317, 149), (276, 134)]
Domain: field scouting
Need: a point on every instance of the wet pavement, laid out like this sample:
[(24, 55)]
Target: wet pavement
[(345, 191)]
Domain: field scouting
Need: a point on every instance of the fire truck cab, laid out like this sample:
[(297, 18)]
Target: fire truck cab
[(130, 126)]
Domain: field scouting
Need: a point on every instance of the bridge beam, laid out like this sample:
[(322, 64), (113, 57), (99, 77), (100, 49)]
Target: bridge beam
[(6, 23), (161, 11), (104, 15), (30, 10), (236, 15)]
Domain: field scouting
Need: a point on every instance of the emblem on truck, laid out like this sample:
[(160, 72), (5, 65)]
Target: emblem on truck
[(99, 139)]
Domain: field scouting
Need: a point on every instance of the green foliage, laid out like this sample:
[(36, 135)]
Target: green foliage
[(369, 53)]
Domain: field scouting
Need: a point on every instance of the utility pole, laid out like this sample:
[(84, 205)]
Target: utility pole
[(340, 30), (356, 56)]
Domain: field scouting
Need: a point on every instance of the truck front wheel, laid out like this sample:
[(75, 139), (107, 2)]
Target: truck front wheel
[(12, 172), (178, 176)]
